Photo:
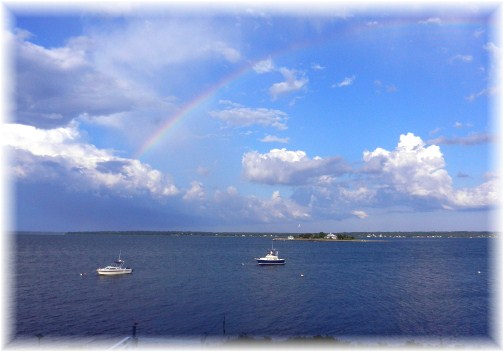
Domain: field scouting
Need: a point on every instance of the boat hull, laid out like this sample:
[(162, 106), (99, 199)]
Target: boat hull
[(270, 262), (114, 272)]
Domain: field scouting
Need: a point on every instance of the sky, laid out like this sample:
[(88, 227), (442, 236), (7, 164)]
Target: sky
[(254, 118)]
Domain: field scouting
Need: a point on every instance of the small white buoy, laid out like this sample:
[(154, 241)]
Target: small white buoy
[(302, 275), (479, 272)]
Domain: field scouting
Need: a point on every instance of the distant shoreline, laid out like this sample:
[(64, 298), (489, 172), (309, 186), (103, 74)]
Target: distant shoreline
[(326, 240), (358, 236)]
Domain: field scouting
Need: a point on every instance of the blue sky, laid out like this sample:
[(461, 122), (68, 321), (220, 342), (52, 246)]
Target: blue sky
[(243, 118)]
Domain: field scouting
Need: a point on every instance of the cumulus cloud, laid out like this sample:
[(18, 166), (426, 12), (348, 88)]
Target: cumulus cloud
[(239, 116), (413, 176), (57, 165), (57, 85), (59, 156), (411, 168), (331, 198), (282, 166), (264, 66), (96, 77), (482, 196), (417, 171), (196, 192), (231, 206), (293, 81), (360, 214)]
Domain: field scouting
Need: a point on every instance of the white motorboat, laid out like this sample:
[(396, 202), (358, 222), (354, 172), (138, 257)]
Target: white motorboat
[(271, 258), (116, 268)]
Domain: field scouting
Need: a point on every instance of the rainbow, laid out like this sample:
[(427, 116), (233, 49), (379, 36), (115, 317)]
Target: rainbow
[(186, 108), (191, 105)]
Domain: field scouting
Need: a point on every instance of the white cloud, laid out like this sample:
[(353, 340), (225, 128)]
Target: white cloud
[(484, 92), (203, 171), (114, 120), (280, 208), (230, 54), (170, 42), (478, 33), (58, 155), (467, 124), (274, 139), (330, 198), (411, 176), (348, 81), (264, 66), (494, 50), (381, 87), (293, 81), (317, 67), (481, 196), (418, 171), (360, 214), (472, 139), (196, 192), (59, 159), (232, 207), (114, 71), (282, 166), (237, 116), (412, 168), (461, 58), (431, 20), (57, 85), (360, 194)]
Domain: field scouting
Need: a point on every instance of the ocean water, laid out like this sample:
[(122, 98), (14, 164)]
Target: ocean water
[(190, 286)]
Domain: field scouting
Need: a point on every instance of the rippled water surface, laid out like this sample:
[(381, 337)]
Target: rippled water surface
[(201, 286)]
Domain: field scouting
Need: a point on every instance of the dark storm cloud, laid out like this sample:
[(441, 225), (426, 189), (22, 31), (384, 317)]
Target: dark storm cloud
[(54, 86)]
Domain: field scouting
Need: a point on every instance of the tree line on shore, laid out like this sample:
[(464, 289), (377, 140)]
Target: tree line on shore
[(322, 235)]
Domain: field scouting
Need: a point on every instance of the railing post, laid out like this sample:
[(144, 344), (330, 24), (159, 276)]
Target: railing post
[(133, 334)]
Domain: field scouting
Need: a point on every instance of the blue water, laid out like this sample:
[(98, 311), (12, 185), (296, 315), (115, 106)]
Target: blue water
[(197, 286)]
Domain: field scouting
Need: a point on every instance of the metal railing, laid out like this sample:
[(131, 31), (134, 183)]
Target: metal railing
[(127, 342)]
